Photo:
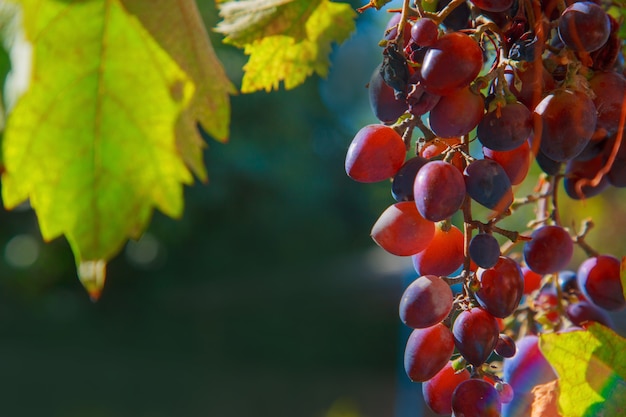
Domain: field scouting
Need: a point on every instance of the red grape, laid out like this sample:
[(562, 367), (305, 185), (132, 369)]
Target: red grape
[(599, 280), (376, 153), (476, 398), (443, 255), (424, 32), (493, 5), (437, 147), (584, 26), (583, 312), (532, 280), (505, 346), (610, 92), (427, 352), (475, 334), (452, 50), (457, 113), (438, 390), (425, 302), (516, 162), (506, 128), (401, 230), (549, 250), (578, 171), (439, 190), (501, 287), (567, 120)]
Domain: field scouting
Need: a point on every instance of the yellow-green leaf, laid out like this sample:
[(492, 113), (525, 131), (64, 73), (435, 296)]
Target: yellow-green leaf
[(91, 144), (246, 21), (285, 58), (177, 26), (591, 365)]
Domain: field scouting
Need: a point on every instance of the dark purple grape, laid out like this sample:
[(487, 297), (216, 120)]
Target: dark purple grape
[(599, 280), (402, 184), (487, 183), (476, 398), (567, 120), (501, 287), (419, 100), (578, 175), (584, 26), (484, 250), (383, 101), (439, 190), (427, 352), (425, 302), (475, 335), (583, 312), (549, 250), (507, 128), (547, 165), (505, 346)]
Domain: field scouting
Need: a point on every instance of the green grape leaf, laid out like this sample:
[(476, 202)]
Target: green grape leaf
[(178, 28), (91, 144), (246, 21), (591, 365), (286, 58)]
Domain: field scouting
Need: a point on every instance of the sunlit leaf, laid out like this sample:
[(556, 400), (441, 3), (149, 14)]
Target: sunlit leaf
[(591, 365), (91, 144), (285, 58), (177, 26), (246, 21)]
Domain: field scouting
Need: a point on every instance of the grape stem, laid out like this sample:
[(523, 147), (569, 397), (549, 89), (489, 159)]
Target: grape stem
[(579, 239)]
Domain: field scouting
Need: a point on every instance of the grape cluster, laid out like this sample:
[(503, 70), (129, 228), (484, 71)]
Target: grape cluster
[(468, 94)]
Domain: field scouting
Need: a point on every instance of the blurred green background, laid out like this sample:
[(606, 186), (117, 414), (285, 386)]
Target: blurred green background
[(266, 299)]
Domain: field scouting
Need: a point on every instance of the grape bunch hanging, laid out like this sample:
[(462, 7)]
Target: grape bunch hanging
[(468, 94)]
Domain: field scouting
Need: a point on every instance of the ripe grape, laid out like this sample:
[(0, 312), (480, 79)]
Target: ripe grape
[(568, 282), (419, 100), (475, 334), (385, 106), (583, 312), (584, 26), (505, 346), (401, 230), (599, 280), (476, 397), (506, 128), (376, 153), (516, 162), (452, 50), (425, 302), (443, 255), (487, 183), (439, 190), (535, 80), (402, 184), (457, 113), (547, 165), (501, 287), (438, 390), (549, 250), (532, 280), (567, 122), (578, 171), (424, 32), (484, 250), (610, 89), (427, 352)]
